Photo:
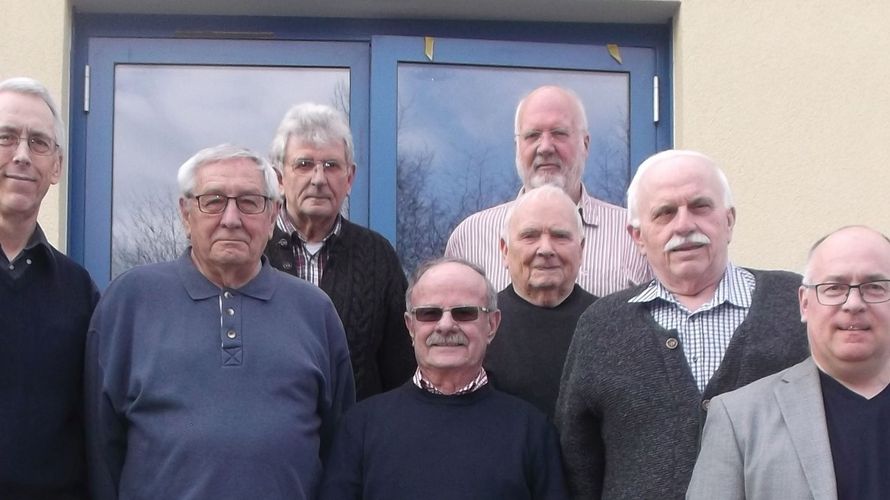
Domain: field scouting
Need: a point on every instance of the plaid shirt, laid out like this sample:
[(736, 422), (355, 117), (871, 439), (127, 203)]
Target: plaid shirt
[(475, 384), (706, 332), (308, 266)]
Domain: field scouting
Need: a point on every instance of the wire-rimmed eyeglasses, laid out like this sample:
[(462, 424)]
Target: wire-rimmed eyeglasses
[(38, 144)]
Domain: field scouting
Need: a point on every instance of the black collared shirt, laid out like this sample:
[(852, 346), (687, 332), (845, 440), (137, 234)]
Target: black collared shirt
[(36, 248)]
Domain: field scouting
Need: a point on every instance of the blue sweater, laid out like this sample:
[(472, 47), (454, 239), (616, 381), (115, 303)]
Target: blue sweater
[(198, 392), (410, 444), (44, 316)]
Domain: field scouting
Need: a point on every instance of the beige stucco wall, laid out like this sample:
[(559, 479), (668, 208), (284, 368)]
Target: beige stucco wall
[(35, 36), (792, 98)]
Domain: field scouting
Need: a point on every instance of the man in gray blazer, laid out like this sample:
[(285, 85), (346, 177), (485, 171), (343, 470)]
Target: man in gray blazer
[(818, 429)]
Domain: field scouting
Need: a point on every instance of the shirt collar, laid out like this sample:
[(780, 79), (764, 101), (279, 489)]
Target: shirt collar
[(286, 224), (474, 385), (261, 287), (731, 289)]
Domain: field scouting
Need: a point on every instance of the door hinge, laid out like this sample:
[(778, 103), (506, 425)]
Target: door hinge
[(86, 88), (655, 99)]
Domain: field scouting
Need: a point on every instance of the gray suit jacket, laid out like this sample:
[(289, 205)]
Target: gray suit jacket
[(767, 440)]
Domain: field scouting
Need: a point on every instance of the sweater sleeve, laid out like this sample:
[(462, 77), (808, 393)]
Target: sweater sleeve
[(719, 470), (343, 467), (395, 357), (341, 386), (106, 432), (548, 481), (579, 425)]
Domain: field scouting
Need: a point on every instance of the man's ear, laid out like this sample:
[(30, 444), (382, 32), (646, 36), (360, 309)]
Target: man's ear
[(494, 321), (184, 215), (503, 246), (637, 238), (804, 301)]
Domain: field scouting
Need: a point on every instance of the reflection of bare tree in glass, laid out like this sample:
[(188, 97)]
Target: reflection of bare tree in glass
[(608, 171), (419, 217), (150, 230)]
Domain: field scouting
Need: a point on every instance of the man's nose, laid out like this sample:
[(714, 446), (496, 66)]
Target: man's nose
[(231, 216)]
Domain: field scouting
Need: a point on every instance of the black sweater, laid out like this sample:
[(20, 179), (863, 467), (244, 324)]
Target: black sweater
[(44, 316), (526, 356), (365, 281), (411, 444)]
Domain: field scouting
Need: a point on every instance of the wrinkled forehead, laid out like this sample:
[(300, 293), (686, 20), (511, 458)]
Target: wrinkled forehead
[(25, 111), (449, 282), (327, 146)]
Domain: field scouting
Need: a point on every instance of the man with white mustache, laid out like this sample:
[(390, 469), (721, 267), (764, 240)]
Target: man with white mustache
[(447, 433), (644, 363)]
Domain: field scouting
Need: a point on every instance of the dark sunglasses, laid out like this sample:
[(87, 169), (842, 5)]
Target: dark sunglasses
[(429, 314)]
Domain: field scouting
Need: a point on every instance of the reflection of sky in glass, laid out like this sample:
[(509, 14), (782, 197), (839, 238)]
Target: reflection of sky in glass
[(456, 147), (164, 114)]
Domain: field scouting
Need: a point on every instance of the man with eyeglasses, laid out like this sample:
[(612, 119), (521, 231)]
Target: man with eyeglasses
[(45, 305), (818, 429), (357, 268), (644, 363), (447, 433), (215, 376), (552, 143), (542, 244)]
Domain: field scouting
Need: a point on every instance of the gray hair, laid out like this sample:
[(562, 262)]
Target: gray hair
[(633, 209), (30, 86), (315, 124), (426, 266), (807, 273), (581, 115), (547, 191), (223, 152)]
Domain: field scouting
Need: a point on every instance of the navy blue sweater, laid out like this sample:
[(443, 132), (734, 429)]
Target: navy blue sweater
[(410, 444), (44, 316)]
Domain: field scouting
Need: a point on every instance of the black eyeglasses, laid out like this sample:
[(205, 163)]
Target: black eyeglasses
[(835, 294), (37, 143), (429, 314), (249, 204)]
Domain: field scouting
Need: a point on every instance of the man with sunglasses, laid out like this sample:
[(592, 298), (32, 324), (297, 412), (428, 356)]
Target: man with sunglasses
[(818, 429), (215, 376), (447, 433), (45, 305)]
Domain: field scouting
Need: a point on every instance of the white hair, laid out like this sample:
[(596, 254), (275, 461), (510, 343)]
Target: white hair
[(633, 209), (30, 86), (313, 123), (546, 191), (187, 172)]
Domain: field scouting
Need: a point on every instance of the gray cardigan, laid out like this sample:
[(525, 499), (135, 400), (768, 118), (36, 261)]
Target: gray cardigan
[(629, 412)]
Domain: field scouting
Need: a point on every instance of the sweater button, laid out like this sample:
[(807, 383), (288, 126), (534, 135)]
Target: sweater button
[(671, 343), (282, 242), (287, 266), (705, 404), (231, 334)]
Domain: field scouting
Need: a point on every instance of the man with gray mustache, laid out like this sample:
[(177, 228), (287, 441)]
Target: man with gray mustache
[(645, 362), (447, 433)]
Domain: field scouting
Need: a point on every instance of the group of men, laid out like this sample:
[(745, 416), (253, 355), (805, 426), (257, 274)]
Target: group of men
[(667, 370)]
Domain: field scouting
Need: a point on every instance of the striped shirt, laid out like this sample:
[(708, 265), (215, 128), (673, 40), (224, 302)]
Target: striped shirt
[(704, 333), (475, 384), (308, 263), (610, 261)]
